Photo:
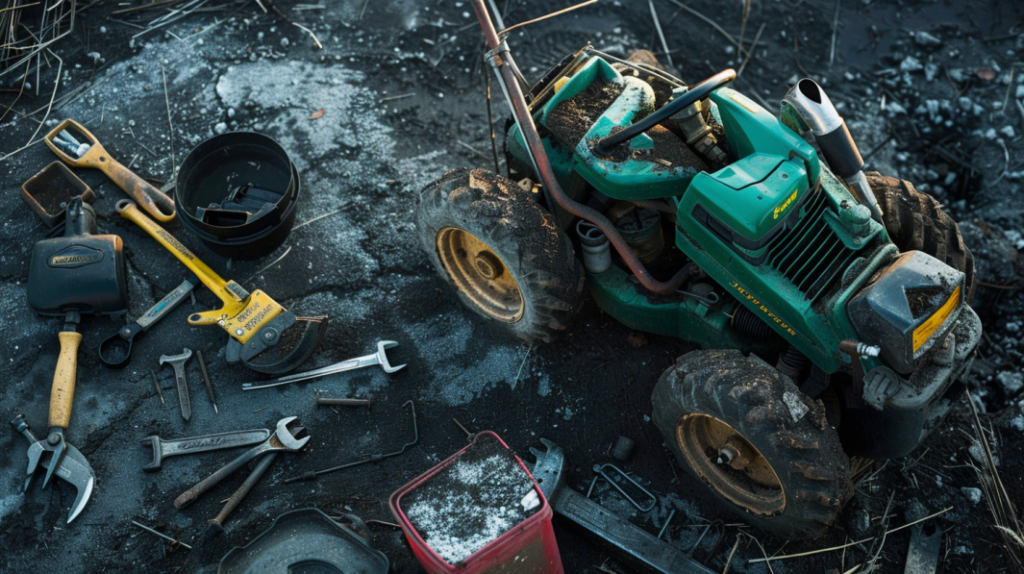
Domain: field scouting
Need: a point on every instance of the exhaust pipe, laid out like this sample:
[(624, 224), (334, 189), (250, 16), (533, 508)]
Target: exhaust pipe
[(818, 114)]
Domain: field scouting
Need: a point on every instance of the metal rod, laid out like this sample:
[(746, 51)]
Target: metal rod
[(668, 521), (343, 402), (161, 535), (501, 60), (206, 378)]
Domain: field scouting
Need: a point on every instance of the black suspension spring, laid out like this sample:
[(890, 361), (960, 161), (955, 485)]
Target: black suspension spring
[(747, 323), (794, 360)]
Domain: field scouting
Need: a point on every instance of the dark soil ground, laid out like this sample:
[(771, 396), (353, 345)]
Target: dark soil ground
[(931, 90)]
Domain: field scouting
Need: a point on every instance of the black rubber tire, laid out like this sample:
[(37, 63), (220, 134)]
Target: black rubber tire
[(747, 394), (916, 222), (523, 234)]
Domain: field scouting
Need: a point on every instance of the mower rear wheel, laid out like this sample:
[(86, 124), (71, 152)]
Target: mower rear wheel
[(915, 222), (503, 253), (742, 428)]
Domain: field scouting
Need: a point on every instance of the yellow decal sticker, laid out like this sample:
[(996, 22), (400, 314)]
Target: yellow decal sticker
[(746, 103), (925, 330), (774, 318), (789, 201)]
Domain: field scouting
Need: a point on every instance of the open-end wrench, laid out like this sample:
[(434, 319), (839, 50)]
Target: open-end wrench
[(378, 358), (632, 544), (166, 448), (216, 524), (178, 362), (281, 440)]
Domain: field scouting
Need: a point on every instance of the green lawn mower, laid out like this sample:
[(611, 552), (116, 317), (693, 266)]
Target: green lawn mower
[(831, 304)]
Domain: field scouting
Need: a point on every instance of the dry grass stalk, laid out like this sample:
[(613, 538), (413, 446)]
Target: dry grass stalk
[(1003, 512)]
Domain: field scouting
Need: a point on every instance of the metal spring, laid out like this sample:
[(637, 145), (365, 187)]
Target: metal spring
[(747, 323)]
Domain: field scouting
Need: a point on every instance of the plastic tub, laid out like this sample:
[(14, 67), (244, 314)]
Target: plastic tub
[(528, 547), (237, 192)]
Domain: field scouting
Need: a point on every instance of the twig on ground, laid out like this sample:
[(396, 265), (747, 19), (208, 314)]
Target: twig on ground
[(521, 365), (1009, 85), (661, 35), (56, 84), (472, 149), (399, 97), (317, 218), (1006, 166), (728, 561), (316, 41), (269, 265), (1004, 515), (546, 16), (750, 52), (743, 24), (835, 32), (885, 525), (847, 545), (709, 21), (170, 124), (767, 560)]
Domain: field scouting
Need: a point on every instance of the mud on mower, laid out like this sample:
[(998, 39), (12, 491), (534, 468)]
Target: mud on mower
[(831, 304)]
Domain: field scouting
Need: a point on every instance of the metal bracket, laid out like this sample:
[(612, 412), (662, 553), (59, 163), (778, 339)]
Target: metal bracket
[(599, 471)]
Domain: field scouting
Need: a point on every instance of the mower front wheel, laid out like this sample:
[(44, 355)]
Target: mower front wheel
[(743, 429), (503, 253)]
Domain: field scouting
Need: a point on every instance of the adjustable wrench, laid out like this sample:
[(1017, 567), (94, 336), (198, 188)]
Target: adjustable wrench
[(166, 448)]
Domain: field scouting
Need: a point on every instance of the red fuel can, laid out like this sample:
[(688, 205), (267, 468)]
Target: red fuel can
[(478, 512)]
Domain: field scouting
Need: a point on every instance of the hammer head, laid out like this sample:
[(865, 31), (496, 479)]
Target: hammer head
[(185, 355), (286, 437), (383, 357)]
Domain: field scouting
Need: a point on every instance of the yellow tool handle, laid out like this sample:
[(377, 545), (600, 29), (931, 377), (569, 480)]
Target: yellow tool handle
[(154, 201), (63, 390), (222, 289)]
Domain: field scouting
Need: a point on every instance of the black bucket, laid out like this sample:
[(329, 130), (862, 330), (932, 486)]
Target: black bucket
[(236, 192)]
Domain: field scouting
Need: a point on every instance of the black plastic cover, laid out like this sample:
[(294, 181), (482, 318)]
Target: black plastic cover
[(907, 307), (79, 272)]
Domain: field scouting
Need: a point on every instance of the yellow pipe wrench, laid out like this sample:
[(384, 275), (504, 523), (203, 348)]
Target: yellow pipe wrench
[(256, 323), (154, 201)]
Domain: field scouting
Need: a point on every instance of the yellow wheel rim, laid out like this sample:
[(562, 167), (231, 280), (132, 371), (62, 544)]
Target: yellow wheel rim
[(478, 272), (732, 466)]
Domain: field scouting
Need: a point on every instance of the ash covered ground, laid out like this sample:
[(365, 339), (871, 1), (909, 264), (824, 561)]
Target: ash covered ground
[(933, 92)]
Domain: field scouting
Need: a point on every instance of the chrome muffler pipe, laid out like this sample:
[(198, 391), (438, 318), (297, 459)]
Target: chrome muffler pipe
[(817, 114)]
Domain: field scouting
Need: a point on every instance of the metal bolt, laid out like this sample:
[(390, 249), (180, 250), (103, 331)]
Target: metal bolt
[(726, 455), (239, 332), (343, 402)]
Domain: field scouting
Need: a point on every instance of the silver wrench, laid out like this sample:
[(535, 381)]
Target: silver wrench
[(167, 448), (178, 362), (378, 358)]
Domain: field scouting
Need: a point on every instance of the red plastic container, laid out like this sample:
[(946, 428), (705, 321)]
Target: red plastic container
[(527, 548)]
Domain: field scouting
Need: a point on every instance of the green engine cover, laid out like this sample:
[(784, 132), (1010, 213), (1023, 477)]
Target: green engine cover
[(775, 228)]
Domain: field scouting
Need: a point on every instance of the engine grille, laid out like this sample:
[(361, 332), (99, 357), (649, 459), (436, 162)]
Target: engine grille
[(811, 255)]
